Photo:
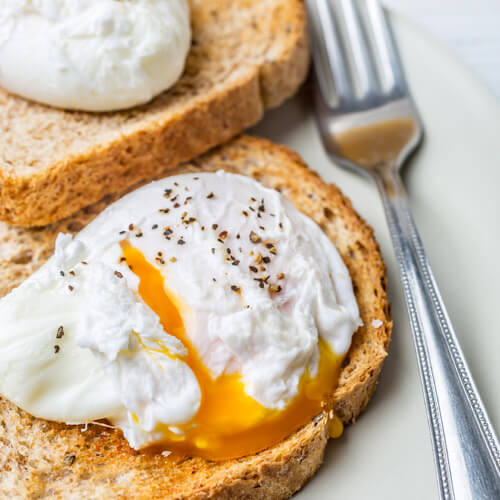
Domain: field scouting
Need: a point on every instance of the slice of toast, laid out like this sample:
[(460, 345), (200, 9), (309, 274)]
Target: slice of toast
[(246, 55), (40, 459)]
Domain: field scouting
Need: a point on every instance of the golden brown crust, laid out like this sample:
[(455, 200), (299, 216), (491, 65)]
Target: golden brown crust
[(45, 459), (247, 55)]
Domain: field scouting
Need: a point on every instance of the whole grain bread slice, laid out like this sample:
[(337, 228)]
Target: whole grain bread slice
[(246, 55), (40, 459)]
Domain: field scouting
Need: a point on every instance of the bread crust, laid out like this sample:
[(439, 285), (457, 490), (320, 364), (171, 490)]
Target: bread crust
[(50, 460), (259, 51)]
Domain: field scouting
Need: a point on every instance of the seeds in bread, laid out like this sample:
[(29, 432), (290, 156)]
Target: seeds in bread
[(246, 55), (46, 459)]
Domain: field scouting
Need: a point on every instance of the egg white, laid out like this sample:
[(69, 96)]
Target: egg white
[(93, 55), (267, 335)]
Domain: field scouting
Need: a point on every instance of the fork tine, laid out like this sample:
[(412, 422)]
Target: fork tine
[(389, 55), (360, 51), (329, 60)]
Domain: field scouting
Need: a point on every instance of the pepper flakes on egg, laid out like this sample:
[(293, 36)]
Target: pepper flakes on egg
[(254, 237)]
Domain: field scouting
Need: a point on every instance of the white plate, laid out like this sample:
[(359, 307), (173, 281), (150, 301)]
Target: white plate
[(454, 184)]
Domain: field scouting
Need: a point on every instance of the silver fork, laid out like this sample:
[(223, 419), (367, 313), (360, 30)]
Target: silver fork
[(369, 123)]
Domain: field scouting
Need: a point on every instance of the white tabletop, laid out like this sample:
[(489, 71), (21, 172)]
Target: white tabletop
[(470, 28)]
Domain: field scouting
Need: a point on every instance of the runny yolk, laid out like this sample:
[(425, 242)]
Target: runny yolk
[(229, 423)]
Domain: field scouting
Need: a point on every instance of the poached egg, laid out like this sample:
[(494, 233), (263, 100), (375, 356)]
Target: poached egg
[(92, 55), (201, 313)]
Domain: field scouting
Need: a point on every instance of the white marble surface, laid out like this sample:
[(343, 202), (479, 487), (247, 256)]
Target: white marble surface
[(470, 28)]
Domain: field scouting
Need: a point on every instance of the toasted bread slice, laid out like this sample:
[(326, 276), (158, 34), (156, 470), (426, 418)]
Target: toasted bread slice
[(246, 55), (45, 459)]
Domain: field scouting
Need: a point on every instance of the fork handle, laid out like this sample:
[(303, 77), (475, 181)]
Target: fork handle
[(466, 449)]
